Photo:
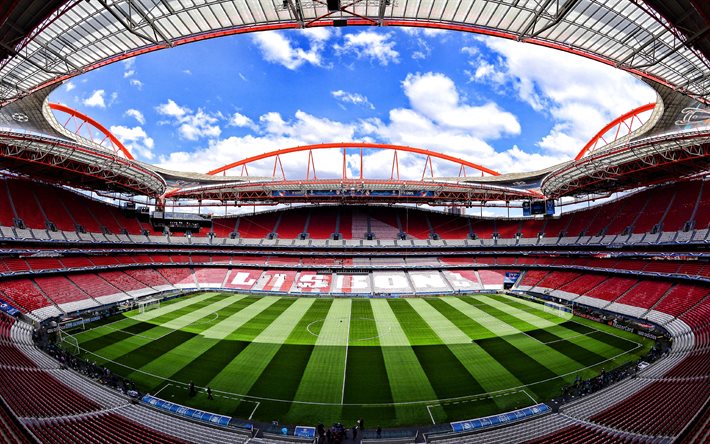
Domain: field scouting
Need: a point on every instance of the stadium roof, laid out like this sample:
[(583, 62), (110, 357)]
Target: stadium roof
[(669, 44)]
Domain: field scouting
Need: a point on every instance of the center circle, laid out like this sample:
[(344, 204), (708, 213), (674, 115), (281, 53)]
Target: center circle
[(360, 328)]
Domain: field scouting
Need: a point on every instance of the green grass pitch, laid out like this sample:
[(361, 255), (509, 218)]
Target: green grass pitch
[(391, 361)]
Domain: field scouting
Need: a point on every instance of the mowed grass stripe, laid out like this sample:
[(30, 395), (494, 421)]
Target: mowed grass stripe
[(585, 356), (407, 380), (256, 329), (131, 325), (363, 328), (281, 378), (244, 370), (117, 343), (166, 309), (366, 373), (531, 352), (323, 377), (450, 380), (491, 375), (524, 366), (241, 310), (528, 315), (168, 355), (587, 338), (471, 357), (615, 340)]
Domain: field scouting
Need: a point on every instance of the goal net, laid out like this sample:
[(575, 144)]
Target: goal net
[(148, 305), (69, 342)]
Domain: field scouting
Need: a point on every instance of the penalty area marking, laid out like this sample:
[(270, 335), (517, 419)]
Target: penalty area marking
[(428, 409), (217, 394), (214, 317), (163, 388), (476, 399)]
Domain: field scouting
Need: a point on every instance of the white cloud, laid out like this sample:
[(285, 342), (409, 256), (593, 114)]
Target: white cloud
[(172, 109), (376, 46), (427, 32), (271, 131), (191, 125), (69, 86), (96, 100), (136, 83), (354, 98), (136, 115), (436, 97), (135, 140), (241, 121), (580, 96), (187, 72), (437, 117), (277, 48), (129, 68)]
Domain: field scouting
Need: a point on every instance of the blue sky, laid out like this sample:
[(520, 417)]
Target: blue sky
[(506, 105)]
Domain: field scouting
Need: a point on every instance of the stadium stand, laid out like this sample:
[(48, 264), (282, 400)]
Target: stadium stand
[(646, 412), (65, 293), (102, 427), (31, 384)]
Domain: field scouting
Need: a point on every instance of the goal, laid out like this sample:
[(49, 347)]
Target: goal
[(69, 342), (148, 305)]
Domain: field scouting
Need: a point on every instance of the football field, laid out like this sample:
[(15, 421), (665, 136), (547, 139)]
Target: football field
[(391, 361)]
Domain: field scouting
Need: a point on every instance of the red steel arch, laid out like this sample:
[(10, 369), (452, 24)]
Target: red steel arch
[(80, 119), (361, 145), (627, 120)]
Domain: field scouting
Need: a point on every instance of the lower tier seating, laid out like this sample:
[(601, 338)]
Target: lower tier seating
[(108, 428), (36, 393), (663, 408)]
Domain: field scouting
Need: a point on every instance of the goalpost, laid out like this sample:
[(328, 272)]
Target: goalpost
[(148, 305), (69, 340)]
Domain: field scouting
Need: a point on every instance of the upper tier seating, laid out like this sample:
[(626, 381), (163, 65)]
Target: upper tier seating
[(668, 207), (25, 203), (291, 226), (322, 223)]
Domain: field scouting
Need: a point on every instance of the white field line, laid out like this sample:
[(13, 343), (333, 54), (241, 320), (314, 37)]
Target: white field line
[(152, 338), (502, 392), (428, 409), (101, 326), (163, 388), (256, 407), (529, 396)]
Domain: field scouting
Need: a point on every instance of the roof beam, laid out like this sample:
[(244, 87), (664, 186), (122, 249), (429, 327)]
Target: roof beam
[(127, 23), (560, 13), (296, 9)]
